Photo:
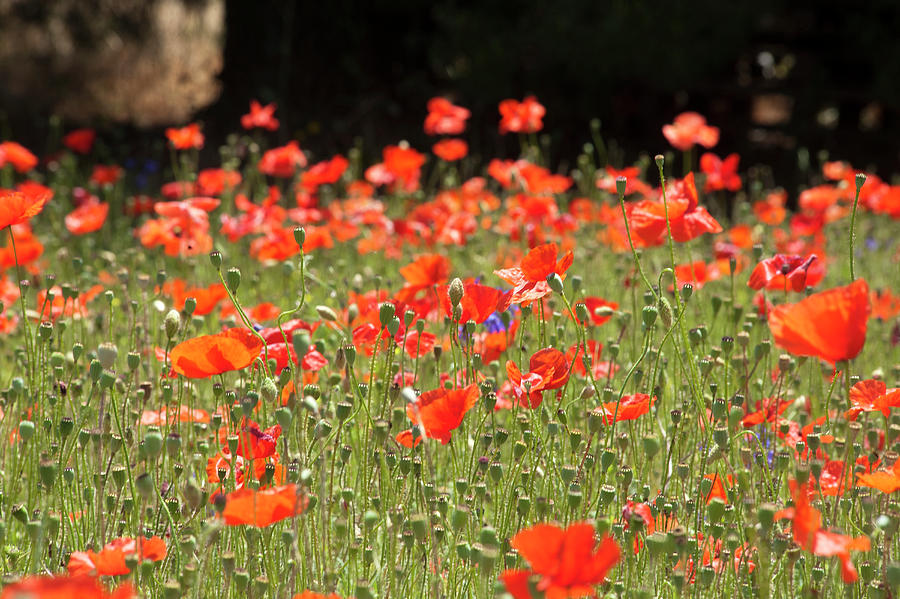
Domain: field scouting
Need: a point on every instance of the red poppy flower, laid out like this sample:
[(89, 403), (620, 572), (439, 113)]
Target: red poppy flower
[(400, 168), (783, 272), (529, 279), (263, 508), (547, 369), (630, 407), (450, 150), (80, 141), (521, 117), (872, 396), (324, 173), (165, 416), (687, 219), (720, 174), (690, 128), (445, 118), (106, 174), (810, 536), (202, 357), (110, 561), (633, 184), (314, 595), (566, 562), (767, 410), (419, 344), (17, 155), (595, 303), (81, 586), (260, 116), (215, 181), (438, 413), (17, 207), (425, 271), (188, 137), (88, 217), (830, 325), (282, 161), (478, 302)]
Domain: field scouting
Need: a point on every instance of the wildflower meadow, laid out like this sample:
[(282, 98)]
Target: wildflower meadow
[(442, 375)]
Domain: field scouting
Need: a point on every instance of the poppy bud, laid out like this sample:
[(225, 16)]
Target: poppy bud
[(660, 160), (26, 430), (687, 290), (107, 354), (455, 291), (326, 313), (393, 326), (233, 279), (665, 311), (300, 236), (581, 312), (385, 313), (648, 316), (621, 184), (555, 282), (860, 181), (172, 323)]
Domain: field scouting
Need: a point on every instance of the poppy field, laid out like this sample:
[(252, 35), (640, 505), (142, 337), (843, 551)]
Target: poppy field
[(442, 375)]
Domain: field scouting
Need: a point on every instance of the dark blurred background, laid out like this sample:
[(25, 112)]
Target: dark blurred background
[(777, 76)]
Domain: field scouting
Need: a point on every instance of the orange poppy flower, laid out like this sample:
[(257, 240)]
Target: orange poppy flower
[(282, 161), (17, 207), (886, 481), (88, 217), (872, 396), (110, 561), (784, 272), (450, 150), (425, 271), (885, 305), (720, 174), (206, 298), (688, 129), (630, 407), (810, 536), (771, 210), (633, 183), (17, 155), (521, 117), (186, 138), (64, 587), (263, 508), (567, 562), (205, 356), (830, 325), (260, 116), (445, 118), (438, 412), (80, 141), (548, 369)]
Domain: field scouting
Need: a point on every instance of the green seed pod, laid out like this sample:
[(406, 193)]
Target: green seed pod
[(26, 430), (648, 316), (172, 323), (326, 313), (555, 282), (233, 279)]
